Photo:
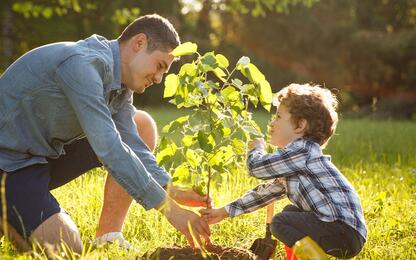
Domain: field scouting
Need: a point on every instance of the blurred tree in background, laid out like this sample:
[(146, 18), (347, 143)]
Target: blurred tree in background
[(364, 49)]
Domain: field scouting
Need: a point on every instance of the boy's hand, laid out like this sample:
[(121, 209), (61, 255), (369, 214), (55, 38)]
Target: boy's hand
[(256, 142), (213, 216), (188, 197)]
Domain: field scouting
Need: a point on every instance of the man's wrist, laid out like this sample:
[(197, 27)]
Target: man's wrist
[(167, 206)]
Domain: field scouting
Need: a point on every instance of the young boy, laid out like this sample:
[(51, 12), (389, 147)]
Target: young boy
[(326, 212)]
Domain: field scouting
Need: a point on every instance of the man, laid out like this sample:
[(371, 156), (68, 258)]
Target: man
[(66, 108)]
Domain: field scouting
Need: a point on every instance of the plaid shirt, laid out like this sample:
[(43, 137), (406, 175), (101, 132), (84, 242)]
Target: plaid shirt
[(313, 183)]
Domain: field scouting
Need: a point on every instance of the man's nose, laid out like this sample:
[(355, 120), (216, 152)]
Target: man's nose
[(158, 78)]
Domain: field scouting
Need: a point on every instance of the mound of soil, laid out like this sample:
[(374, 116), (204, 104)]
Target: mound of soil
[(214, 252)]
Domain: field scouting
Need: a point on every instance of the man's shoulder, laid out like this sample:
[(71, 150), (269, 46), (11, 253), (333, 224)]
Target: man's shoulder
[(96, 46)]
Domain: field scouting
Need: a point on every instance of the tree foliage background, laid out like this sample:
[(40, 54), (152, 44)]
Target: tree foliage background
[(366, 50)]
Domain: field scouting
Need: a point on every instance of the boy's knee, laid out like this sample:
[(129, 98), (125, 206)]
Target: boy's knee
[(58, 229), (146, 127), (276, 225)]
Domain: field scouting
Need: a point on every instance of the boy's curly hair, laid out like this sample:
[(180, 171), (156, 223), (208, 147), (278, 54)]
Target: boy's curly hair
[(315, 104)]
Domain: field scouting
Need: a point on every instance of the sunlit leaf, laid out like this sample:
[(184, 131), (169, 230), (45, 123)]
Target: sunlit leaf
[(193, 158), (266, 94), (222, 61), (188, 69), (166, 153), (220, 74), (186, 48), (181, 173), (171, 85)]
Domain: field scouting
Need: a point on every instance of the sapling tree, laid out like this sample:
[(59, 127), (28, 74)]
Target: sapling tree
[(211, 140)]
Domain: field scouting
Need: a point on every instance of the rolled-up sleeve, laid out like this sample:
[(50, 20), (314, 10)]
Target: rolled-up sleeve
[(128, 130), (81, 81)]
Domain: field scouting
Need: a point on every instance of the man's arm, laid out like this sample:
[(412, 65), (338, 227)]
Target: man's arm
[(81, 81), (124, 122)]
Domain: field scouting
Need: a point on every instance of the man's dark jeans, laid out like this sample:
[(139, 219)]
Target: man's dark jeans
[(28, 200)]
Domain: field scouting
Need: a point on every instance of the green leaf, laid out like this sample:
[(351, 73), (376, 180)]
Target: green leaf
[(222, 61), (166, 153), (220, 74), (209, 62), (181, 173), (266, 94), (253, 74), (171, 85), (243, 61), (193, 158), (206, 142), (238, 83), (186, 48), (177, 123), (223, 156), (199, 189), (188, 69), (188, 140), (239, 146), (230, 93), (225, 131)]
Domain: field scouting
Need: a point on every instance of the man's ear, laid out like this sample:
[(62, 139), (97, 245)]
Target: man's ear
[(302, 126), (138, 42)]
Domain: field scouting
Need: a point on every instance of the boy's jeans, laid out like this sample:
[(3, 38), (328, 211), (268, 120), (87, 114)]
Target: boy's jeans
[(335, 238)]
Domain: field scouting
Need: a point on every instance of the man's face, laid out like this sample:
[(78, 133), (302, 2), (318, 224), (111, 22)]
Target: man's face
[(146, 68)]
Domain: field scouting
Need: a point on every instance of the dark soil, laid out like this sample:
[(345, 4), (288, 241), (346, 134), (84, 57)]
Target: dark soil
[(214, 252)]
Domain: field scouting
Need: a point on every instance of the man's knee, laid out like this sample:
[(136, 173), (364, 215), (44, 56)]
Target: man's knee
[(58, 229), (146, 126)]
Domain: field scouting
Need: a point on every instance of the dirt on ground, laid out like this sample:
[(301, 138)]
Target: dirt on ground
[(212, 252)]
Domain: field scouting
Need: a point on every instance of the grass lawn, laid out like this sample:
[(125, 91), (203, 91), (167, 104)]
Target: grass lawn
[(378, 157)]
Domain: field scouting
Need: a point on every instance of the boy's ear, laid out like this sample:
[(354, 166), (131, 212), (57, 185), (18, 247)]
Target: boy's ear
[(302, 126)]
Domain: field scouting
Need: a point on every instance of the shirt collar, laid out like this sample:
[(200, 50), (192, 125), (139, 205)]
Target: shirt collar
[(115, 49), (305, 143)]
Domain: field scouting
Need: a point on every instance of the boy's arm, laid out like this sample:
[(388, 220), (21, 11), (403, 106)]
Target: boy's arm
[(283, 163), (256, 198)]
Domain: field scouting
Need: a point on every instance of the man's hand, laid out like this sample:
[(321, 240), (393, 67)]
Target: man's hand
[(213, 216), (188, 197), (184, 220), (256, 142)]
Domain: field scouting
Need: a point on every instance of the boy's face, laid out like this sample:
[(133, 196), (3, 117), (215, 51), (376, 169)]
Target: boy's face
[(282, 130)]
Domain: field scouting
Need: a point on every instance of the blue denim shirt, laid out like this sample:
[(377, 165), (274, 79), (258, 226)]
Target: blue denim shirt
[(60, 92)]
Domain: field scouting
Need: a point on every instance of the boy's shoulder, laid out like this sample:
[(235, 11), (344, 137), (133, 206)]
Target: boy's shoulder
[(305, 145)]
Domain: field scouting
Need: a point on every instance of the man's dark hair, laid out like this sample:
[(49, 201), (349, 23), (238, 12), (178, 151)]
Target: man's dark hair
[(161, 35)]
